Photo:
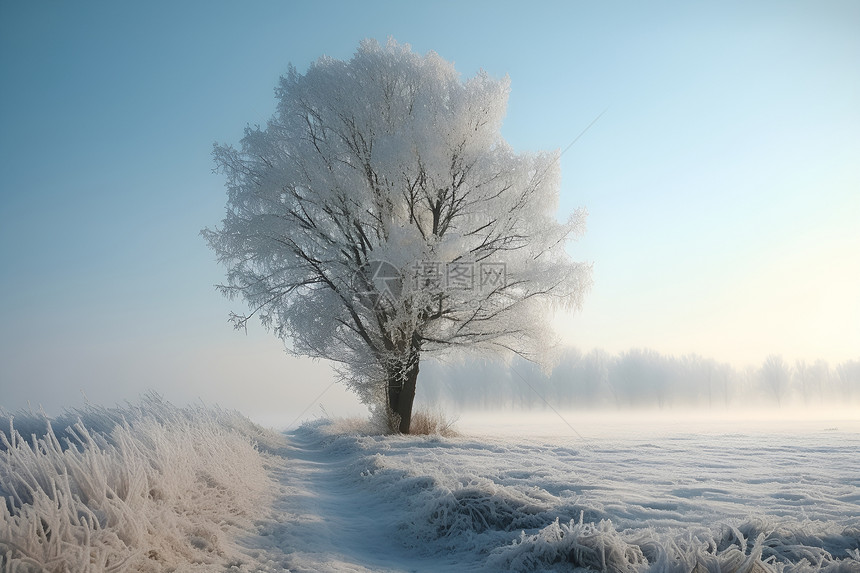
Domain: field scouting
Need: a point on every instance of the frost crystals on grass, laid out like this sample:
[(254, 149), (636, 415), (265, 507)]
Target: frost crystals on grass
[(143, 488)]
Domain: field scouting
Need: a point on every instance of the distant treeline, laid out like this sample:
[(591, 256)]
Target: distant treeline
[(637, 379)]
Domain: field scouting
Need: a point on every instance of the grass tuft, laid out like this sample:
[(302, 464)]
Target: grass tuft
[(433, 423)]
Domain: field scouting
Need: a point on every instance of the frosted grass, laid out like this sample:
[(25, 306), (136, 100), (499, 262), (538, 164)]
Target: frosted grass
[(150, 487)]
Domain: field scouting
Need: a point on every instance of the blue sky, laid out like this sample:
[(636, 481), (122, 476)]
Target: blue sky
[(723, 181)]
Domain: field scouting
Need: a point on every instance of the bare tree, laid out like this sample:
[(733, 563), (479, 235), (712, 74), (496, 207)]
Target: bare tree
[(380, 215), (848, 378), (775, 376)]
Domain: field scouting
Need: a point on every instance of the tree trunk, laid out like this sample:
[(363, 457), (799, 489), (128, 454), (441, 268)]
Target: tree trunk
[(401, 393)]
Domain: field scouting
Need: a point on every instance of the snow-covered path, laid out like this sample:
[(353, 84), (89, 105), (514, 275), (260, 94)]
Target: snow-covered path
[(322, 522)]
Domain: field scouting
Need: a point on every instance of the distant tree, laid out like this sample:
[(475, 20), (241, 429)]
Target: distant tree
[(775, 377), (820, 374), (595, 369), (380, 216), (848, 374), (725, 375), (693, 379), (567, 388), (642, 376), (803, 379)]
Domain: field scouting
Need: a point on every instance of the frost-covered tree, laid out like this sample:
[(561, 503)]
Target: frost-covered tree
[(380, 215)]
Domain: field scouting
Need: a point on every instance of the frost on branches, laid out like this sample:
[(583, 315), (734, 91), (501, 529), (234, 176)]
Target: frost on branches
[(380, 215)]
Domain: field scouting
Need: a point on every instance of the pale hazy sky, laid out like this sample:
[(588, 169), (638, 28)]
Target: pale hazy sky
[(723, 182)]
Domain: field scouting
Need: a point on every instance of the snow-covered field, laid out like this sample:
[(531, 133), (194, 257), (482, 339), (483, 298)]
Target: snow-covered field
[(594, 492), (529, 494)]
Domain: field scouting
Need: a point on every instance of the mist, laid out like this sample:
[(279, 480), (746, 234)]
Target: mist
[(639, 379)]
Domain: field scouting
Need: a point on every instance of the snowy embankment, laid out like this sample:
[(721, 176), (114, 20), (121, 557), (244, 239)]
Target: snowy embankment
[(158, 488), (149, 487)]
